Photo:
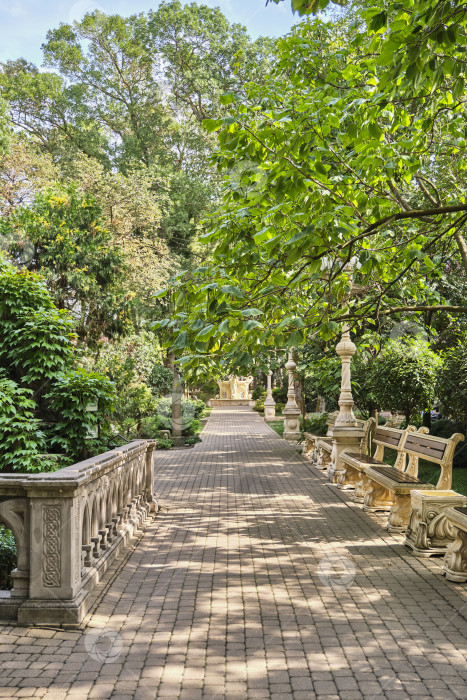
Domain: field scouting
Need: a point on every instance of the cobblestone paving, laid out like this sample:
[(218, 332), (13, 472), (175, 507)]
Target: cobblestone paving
[(231, 594)]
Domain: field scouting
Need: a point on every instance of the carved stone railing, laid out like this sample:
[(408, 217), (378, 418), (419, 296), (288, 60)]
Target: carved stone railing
[(69, 526)]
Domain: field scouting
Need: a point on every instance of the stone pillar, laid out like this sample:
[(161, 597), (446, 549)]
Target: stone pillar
[(269, 404), (291, 410), (346, 434)]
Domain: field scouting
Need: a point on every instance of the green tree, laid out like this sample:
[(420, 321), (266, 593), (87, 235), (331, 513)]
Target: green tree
[(83, 267), (5, 135), (320, 174), (203, 55), (130, 92), (451, 387), (403, 377)]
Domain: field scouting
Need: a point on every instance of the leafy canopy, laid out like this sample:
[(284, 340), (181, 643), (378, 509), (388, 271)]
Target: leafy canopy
[(339, 200)]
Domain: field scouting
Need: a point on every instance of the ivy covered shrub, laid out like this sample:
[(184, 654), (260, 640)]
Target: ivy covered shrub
[(43, 396), (75, 428), (21, 437)]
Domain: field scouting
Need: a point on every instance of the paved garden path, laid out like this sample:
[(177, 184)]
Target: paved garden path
[(257, 580)]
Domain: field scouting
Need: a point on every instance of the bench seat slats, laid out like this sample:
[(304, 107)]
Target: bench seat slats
[(359, 457), (396, 475)]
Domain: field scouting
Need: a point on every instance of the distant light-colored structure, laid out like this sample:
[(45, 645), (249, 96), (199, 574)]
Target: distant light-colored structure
[(234, 391)]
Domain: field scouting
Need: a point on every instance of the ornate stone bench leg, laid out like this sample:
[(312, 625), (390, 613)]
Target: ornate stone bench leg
[(399, 515), (361, 488), (348, 479), (96, 550), (455, 560), (378, 498)]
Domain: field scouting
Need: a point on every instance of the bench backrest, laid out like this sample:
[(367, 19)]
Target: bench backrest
[(434, 449), (392, 438), (365, 443)]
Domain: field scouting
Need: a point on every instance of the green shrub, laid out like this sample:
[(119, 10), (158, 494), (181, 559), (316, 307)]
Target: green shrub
[(192, 440), (72, 392), (279, 408), (193, 429), (160, 380), (22, 439), (150, 427), (403, 376), (163, 444), (317, 424), (258, 393), (191, 410), (451, 385), (279, 394), (259, 406), (445, 428)]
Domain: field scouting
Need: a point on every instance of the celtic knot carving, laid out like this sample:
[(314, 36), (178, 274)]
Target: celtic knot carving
[(51, 524)]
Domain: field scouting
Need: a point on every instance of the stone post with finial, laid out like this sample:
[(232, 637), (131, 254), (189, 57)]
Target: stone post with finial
[(291, 410), (269, 403), (346, 433)]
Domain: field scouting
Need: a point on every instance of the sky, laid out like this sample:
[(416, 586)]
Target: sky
[(24, 23)]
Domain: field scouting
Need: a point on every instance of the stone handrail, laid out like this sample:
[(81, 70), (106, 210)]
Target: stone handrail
[(69, 525)]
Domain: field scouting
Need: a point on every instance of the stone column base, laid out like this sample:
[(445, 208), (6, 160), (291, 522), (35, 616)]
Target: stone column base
[(291, 424), (269, 412)]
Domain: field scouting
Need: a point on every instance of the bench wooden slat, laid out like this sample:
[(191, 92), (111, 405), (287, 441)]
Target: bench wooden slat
[(391, 439), (359, 457), (425, 446), (396, 475)]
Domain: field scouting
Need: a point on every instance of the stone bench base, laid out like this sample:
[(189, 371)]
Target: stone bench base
[(429, 532), (455, 560)]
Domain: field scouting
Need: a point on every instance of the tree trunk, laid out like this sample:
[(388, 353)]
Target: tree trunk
[(177, 391), (427, 419)]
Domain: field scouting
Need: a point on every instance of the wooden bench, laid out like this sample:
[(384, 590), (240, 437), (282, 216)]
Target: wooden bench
[(390, 488), (455, 559), (356, 462)]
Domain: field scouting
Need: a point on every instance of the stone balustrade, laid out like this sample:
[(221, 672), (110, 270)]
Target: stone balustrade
[(69, 526)]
